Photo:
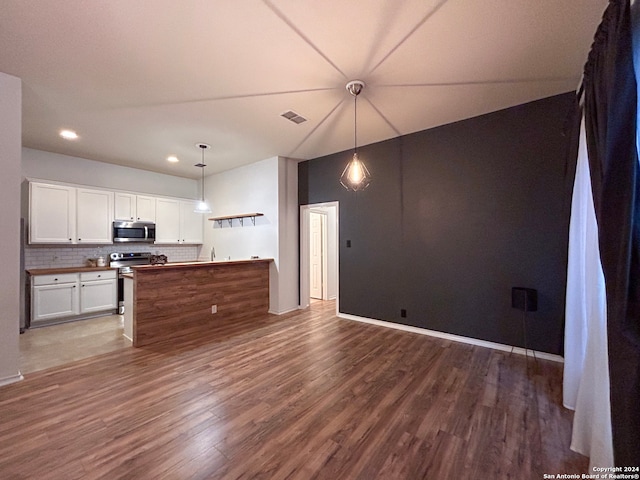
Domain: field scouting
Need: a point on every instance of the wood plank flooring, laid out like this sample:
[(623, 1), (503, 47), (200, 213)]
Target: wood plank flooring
[(300, 396)]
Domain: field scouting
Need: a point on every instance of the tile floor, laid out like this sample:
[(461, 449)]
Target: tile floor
[(54, 345)]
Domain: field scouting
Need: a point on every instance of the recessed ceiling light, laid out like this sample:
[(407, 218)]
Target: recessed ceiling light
[(172, 159), (68, 134)]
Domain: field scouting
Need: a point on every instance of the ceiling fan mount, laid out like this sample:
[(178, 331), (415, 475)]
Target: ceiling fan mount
[(354, 87)]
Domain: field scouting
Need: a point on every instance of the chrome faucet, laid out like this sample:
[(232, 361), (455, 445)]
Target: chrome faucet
[(213, 253)]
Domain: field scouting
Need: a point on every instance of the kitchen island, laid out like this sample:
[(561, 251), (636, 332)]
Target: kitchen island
[(179, 299)]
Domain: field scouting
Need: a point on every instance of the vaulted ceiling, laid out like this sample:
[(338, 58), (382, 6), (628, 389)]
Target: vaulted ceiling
[(141, 80)]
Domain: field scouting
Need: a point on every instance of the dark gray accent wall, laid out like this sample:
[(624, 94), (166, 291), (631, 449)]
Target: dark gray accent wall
[(454, 218)]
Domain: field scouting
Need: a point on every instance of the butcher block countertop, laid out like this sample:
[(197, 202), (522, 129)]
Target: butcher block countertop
[(193, 264), (60, 271)]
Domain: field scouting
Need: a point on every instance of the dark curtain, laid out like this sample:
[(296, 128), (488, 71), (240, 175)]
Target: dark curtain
[(610, 107)]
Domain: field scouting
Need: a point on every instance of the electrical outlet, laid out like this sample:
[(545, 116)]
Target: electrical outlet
[(214, 308)]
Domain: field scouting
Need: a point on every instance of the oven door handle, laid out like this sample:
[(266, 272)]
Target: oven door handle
[(146, 233)]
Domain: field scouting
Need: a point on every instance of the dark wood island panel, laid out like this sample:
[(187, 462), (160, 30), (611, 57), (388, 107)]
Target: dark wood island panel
[(175, 300)]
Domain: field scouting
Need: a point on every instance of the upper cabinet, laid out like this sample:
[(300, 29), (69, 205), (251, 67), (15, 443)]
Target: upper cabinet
[(62, 214), (145, 208), (191, 223), (134, 208), (75, 215), (167, 220), (125, 207), (94, 215), (52, 213), (176, 222)]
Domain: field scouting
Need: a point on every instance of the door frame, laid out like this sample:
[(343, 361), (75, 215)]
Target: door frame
[(305, 297)]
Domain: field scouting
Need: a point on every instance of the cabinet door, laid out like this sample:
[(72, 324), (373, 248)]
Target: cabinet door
[(191, 223), (125, 207), (53, 301), (98, 295), (94, 216), (52, 213), (146, 208), (167, 220)]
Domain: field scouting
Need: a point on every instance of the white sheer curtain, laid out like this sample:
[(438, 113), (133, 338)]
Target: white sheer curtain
[(586, 367)]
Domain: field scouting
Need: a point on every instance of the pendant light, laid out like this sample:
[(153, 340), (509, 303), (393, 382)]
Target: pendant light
[(202, 207), (355, 176)]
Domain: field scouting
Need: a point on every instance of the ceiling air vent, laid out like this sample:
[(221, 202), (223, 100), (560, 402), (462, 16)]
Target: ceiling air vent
[(294, 117)]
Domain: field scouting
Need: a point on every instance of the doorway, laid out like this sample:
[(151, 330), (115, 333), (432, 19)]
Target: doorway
[(319, 253)]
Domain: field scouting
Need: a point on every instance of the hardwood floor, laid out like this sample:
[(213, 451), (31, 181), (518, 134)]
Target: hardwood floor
[(301, 396), (54, 345)]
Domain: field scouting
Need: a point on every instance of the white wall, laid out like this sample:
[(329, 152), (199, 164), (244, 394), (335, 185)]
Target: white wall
[(247, 189), (250, 188), (10, 143), (268, 187), (64, 168), (288, 235)]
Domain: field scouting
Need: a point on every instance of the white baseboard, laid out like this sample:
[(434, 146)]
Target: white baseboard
[(284, 311), (11, 379), (452, 337)]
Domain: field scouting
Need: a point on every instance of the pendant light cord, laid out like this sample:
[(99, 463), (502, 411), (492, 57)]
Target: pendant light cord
[(203, 165), (355, 123)]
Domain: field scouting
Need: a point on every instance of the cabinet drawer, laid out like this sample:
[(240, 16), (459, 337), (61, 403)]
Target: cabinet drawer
[(101, 275), (55, 279)]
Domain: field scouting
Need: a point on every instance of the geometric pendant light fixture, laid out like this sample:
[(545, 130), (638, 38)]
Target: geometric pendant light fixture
[(202, 206), (355, 176)]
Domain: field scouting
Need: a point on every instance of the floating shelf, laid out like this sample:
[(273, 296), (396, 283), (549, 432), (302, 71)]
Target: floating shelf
[(241, 217)]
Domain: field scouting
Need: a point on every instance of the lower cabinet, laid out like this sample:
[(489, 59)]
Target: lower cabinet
[(54, 296), (69, 295), (98, 291)]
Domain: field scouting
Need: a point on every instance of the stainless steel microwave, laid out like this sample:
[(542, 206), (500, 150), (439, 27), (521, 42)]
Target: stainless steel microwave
[(142, 232)]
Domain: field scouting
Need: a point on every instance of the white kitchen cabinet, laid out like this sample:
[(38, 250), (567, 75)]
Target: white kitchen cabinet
[(98, 291), (145, 208), (134, 208), (167, 220), (76, 215), (94, 214), (124, 207), (52, 213), (68, 295), (176, 222), (54, 296), (64, 214), (191, 223)]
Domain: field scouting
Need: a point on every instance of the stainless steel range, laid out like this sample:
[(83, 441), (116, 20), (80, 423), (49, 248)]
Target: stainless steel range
[(123, 262)]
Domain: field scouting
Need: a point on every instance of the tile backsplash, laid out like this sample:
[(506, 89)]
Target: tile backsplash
[(49, 256)]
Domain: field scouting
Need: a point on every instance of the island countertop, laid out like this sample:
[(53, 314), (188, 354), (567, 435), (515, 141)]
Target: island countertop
[(198, 263)]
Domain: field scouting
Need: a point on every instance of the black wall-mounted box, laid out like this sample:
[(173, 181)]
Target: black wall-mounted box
[(525, 299)]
